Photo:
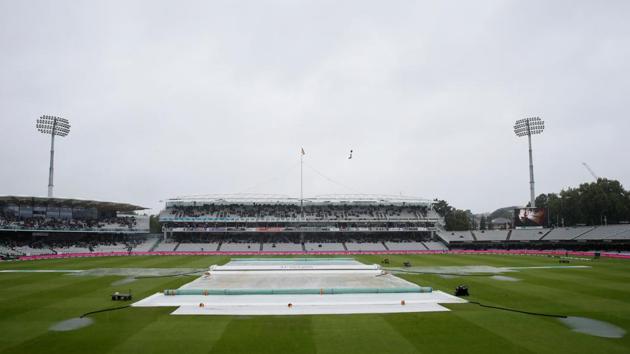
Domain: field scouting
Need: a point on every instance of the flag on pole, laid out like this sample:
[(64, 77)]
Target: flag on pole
[(303, 153)]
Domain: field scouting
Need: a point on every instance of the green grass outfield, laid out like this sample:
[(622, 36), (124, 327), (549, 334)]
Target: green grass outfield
[(31, 302)]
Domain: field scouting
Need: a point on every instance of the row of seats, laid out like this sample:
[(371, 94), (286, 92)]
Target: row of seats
[(170, 246), (611, 232), (594, 233), (461, 236), (293, 211)]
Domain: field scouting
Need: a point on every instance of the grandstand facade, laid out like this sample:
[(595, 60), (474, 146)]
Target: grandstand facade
[(603, 237), (32, 226), (262, 223), (37, 225)]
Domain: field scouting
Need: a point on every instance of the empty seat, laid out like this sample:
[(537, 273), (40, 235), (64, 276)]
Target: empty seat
[(491, 235), (567, 233), (527, 234), (406, 246)]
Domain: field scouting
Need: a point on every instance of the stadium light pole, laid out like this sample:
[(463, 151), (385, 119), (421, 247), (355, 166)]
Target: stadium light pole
[(302, 153), (528, 127), (55, 126)]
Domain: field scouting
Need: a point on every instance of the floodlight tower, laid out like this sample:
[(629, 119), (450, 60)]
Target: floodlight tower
[(54, 126), (528, 127)]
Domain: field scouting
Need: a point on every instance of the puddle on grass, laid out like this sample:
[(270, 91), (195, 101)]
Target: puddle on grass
[(504, 278), (593, 327), (140, 272), (71, 324), (124, 281)]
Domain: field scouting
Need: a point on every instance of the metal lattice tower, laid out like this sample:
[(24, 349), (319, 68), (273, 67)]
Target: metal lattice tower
[(528, 127), (54, 126)]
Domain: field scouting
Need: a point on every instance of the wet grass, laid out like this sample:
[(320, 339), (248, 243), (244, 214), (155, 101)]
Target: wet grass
[(30, 303)]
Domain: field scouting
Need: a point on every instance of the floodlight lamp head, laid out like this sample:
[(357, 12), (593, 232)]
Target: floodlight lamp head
[(53, 125), (529, 126)]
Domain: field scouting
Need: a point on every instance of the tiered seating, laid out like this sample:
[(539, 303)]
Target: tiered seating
[(71, 249), (623, 235), (117, 247), (324, 246), (240, 247), (145, 246), (610, 232), (45, 223), (527, 234), (450, 236), (4, 250), (291, 211), (365, 246), (197, 247), (567, 233), (406, 246), (282, 247), (7, 250), (29, 251), (491, 235), (435, 246), (165, 247)]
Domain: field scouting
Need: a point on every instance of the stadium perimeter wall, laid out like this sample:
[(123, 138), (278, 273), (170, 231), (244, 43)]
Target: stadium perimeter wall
[(328, 253)]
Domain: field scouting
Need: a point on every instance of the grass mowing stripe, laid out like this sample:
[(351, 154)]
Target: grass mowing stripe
[(356, 329), (86, 298), (178, 334), (471, 329), (584, 283), (536, 334), (267, 334), (438, 333)]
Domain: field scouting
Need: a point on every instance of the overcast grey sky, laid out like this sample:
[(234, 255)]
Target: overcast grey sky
[(198, 97)]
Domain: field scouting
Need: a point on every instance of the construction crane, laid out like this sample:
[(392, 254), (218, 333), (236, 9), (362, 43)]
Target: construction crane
[(590, 170)]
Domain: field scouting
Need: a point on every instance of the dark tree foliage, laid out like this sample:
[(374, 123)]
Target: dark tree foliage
[(154, 224), (442, 207), (455, 219), (590, 204)]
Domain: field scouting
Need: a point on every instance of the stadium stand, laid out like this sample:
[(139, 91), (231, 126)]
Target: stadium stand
[(282, 247), (567, 233), (144, 245), (37, 215), (112, 247), (41, 226), (491, 235), (197, 247), (365, 246), (435, 246), (406, 246), (610, 232), (456, 236), (8, 251), (71, 249), (324, 247), (240, 247), (527, 234), (259, 212), (284, 210), (30, 251), (166, 246)]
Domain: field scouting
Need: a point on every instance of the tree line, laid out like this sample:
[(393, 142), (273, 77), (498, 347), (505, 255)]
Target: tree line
[(597, 203)]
